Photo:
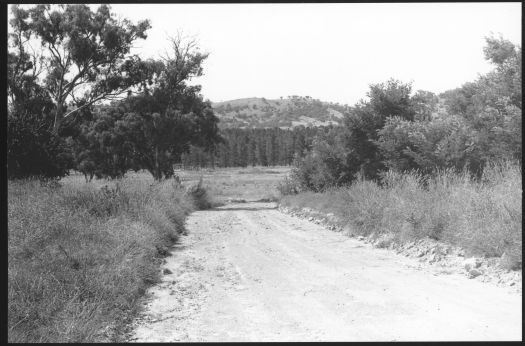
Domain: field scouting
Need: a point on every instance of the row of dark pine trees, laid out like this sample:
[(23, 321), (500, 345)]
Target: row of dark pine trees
[(254, 147)]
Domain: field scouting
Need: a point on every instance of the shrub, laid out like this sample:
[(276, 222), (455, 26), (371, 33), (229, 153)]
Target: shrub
[(199, 195), (288, 187), (33, 150)]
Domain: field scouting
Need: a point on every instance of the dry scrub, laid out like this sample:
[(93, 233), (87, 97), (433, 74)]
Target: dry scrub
[(81, 256), (482, 216)]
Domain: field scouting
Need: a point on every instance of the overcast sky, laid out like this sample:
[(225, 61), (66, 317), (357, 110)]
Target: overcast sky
[(329, 51)]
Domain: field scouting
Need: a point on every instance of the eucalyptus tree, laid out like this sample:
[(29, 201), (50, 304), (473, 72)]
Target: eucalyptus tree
[(84, 54)]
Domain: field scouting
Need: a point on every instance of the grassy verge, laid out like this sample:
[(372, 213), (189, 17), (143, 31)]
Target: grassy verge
[(484, 217), (81, 256)]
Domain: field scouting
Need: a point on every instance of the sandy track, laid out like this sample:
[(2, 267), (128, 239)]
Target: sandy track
[(247, 272)]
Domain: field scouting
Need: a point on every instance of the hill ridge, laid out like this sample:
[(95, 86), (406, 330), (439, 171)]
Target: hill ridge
[(260, 112)]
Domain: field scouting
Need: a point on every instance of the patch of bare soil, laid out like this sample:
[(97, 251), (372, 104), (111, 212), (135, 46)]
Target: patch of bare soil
[(247, 272)]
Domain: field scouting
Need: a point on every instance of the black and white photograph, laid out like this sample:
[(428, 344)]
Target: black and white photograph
[(263, 172)]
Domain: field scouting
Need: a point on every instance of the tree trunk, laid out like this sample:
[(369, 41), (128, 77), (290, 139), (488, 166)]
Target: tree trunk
[(158, 174), (212, 157), (59, 113)]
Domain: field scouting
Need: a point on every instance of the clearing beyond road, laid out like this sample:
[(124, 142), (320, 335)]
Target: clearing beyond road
[(246, 272)]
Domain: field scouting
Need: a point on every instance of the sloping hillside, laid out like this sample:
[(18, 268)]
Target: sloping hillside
[(284, 113)]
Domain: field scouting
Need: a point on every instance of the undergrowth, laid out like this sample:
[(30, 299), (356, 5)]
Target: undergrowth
[(80, 257), (483, 216)]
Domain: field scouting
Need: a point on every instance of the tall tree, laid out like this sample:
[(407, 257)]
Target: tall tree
[(85, 53), (170, 115), (32, 147)]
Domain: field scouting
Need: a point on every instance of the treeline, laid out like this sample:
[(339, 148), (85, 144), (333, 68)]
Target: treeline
[(53, 122), (254, 147), (394, 129)]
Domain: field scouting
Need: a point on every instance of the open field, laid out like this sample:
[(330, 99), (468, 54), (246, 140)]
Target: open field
[(250, 184)]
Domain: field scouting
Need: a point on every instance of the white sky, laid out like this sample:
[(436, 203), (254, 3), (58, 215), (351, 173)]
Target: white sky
[(329, 51)]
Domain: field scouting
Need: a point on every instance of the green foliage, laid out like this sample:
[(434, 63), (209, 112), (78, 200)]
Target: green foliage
[(104, 146), (254, 147), (82, 50), (363, 122), (169, 115), (427, 146), (404, 132), (152, 129), (33, 149), (424, 104), (339, 157), (323, 166), (483, 123)]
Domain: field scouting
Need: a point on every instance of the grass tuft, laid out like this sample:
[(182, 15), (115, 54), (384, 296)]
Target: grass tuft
[(482, 216), (81, 256)]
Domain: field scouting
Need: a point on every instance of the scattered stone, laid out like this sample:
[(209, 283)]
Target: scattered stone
[(433, 257), (500, 270), (472, 273), (509, 263), (384, 241), (471, 263)]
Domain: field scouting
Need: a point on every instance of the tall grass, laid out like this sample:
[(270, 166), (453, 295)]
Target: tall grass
[(80, 257), (482, 216)]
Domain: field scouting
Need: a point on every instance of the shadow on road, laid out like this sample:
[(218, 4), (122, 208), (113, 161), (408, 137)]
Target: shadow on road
[(242, 208)]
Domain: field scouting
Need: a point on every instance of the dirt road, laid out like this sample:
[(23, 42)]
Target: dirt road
[(246, 272)]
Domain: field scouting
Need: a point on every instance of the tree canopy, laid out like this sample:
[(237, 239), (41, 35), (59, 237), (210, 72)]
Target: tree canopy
[(85, 53)]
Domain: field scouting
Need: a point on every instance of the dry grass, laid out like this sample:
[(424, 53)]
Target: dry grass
[(484, 217), (250, 184), (80, 256)]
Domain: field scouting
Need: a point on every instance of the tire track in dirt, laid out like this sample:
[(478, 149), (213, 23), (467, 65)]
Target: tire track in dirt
[(247, 272)]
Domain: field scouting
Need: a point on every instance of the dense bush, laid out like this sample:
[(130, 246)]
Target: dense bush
[(323, 166), (34, 150), (471, 126)]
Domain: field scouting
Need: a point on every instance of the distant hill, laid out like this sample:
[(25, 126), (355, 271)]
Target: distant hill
[(284, 113)]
